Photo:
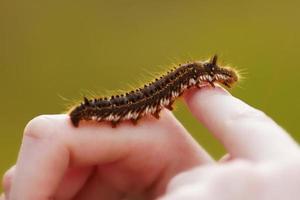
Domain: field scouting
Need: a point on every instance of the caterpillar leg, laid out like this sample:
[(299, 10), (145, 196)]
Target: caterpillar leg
[(114, 124), (75, 121), (156, 114), (212, 84), (169, 106), (199, 86), (134, 121), (227, 85)]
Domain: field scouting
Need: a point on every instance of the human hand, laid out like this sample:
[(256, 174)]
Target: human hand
[(263, 161), (175, 151), (95, 161)]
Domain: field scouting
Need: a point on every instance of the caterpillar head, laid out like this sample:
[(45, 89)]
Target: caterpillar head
[(215, 73)]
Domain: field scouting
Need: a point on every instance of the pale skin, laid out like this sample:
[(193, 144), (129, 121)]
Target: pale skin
[(158, 159)]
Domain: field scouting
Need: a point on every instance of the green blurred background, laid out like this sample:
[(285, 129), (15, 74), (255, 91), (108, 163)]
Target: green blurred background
[(54, 49)]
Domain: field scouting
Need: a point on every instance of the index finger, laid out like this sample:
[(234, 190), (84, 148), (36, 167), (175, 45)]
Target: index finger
[(245, 131)]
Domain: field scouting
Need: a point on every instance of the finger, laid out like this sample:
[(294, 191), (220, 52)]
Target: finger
[(72, 182), (7, 180), (41, 165), (204, 174), (190, 177), (51, 145), (84, 142), (212, 182), (96, 188), (192, 184), (245, 132)]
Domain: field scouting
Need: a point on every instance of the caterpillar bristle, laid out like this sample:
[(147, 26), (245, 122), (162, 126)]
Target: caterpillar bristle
[(151, 98)]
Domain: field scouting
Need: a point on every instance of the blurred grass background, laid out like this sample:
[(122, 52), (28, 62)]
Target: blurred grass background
[(50, 49)]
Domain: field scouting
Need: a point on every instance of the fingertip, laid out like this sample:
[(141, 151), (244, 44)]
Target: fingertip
[(195, 95), (39, 126), (205, 101)]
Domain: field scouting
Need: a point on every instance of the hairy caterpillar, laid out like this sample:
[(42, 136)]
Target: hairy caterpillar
[(154, 96)]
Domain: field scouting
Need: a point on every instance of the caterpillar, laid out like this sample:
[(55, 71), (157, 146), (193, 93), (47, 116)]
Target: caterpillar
[(155, 96)]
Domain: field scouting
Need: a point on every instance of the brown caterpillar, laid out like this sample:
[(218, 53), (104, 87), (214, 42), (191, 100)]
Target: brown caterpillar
[(155, 96)]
